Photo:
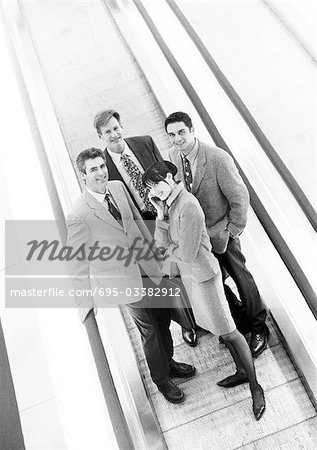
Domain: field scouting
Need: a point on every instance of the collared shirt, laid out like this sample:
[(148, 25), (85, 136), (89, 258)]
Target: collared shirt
[(177, 189), (116, 158), (101, 197), (192, 157)]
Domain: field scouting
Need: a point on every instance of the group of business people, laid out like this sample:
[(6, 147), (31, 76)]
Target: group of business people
[(195, 206)]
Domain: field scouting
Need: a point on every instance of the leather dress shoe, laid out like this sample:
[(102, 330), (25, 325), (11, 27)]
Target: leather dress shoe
[(189, 336), (258, 402), (181, 370), (233, 380), (171, 392), (259, 341)]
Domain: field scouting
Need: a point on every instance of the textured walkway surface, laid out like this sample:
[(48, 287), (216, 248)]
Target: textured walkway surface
[(220, 419)]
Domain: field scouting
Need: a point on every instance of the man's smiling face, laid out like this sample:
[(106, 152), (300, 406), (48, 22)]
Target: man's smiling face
[(96, 176), (181, 136), (111, 135)]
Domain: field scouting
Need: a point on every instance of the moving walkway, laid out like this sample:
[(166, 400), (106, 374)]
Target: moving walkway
[(78, 58)]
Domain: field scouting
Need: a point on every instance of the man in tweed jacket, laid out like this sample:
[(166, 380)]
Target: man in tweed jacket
[(211, 175)]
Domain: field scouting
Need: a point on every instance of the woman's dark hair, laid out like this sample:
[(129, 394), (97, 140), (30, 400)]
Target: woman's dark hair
[(157, 172)]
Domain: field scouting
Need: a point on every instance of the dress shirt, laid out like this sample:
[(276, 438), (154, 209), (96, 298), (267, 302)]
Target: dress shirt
[(101, 197), (192, 158), (116, 158)]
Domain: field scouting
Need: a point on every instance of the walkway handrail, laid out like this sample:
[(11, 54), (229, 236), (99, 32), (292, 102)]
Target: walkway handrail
[(119, 424), (261, 213), (117, 418), (254, 127), (11, 434)]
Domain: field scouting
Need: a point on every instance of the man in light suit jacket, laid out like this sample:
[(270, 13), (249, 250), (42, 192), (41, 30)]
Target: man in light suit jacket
[(105, 219), (211, 175), (141, 152)]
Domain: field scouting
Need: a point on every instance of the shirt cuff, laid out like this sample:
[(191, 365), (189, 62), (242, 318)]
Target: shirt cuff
[(233, 230)]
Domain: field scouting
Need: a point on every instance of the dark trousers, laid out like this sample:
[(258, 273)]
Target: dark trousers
[(233, 261), (153, 325)]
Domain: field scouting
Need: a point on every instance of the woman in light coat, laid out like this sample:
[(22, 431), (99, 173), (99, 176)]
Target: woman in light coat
[(181, 231)]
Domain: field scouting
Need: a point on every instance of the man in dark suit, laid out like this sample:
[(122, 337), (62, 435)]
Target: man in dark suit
[(210, 174), (105, 214), (127, 159)]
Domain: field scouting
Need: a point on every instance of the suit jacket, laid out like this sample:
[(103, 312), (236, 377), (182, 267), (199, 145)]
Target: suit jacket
[(221, 192), (186, 240), (116, 268), (145, 151)]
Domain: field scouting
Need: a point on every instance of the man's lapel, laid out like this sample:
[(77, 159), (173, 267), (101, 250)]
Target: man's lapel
[(139, 153), (121, 201), (200, 167), (113, 172), (100, 211)]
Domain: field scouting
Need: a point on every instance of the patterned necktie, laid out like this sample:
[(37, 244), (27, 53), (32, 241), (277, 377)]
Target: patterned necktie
[(136, 178), (112, 209), (187, 174)]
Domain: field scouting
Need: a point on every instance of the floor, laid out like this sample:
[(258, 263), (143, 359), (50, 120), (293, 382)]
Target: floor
[(220, 419)]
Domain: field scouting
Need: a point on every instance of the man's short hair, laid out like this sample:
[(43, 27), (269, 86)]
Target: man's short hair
[(89, 153), (102, 118), (178, 116)]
